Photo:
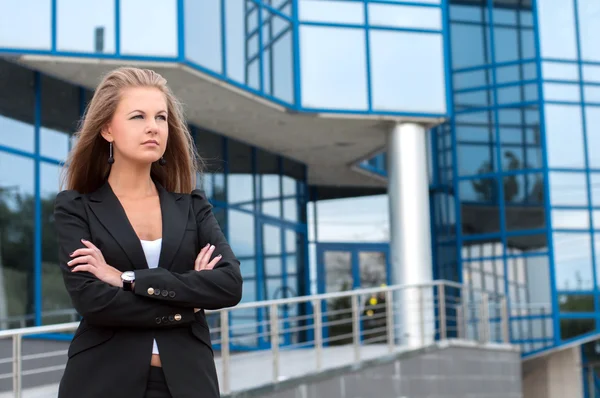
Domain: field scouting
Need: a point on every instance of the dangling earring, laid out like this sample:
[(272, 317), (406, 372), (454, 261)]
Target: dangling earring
[(111, 159), (162, 161)]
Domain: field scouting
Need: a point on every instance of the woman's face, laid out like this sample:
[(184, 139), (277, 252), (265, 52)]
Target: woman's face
[(139, 128)]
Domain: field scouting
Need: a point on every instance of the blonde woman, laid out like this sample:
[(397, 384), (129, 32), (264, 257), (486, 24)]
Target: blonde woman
[(141, 252)]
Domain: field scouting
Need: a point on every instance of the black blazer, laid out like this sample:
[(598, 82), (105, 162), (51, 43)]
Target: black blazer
[(110, 353)]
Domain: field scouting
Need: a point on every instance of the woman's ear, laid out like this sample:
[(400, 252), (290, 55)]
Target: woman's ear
[(106, 133)]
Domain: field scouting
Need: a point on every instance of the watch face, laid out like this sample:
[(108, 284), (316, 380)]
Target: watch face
[(128, 276)]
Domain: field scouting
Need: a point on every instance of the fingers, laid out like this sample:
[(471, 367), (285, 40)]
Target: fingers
[(83, 252), (205, 255), (85, 267), (213, 262), (81, 260), (199, 263), (203, 261)]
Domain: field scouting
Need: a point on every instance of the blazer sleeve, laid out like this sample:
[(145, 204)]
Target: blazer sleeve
[(99, 303), (213, 289)]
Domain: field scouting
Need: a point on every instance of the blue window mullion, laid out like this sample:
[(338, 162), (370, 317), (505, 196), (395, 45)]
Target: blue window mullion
[(117, 27), (368, 58), (37, 273), (53, 23), (223, 38), (181, 29)]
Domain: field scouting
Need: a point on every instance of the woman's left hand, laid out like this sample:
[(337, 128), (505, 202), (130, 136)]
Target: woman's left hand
[(90, 259)]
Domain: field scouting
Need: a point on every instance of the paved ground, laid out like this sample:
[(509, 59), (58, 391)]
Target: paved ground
[(250, 369)]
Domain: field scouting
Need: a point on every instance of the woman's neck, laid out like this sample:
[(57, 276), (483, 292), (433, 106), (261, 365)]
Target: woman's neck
[(131, 182)]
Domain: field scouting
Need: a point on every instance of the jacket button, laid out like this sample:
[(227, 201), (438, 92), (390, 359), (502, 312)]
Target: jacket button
[(158, 320), (150, 291), (157, 292), (165, 293), (165, 319), (171, 294), (171, 318), (177, 317)]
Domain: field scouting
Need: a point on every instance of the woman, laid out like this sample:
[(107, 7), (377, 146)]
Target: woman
[(141, 252)]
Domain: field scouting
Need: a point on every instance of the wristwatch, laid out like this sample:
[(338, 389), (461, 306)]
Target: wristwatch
[(128, 277)]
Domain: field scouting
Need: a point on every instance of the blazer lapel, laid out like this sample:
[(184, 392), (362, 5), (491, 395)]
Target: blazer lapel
[(175, 211), (105, 204)]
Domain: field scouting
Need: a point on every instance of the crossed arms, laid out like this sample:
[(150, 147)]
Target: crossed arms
[(102, 304)]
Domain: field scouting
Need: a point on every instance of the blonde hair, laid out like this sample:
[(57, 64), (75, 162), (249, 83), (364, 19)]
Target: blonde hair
[(87, 166)]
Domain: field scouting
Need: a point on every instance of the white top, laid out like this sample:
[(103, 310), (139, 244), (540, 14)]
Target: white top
[(152, 251)]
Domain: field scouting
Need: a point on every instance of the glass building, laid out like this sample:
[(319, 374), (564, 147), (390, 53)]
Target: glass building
[(479, 121)]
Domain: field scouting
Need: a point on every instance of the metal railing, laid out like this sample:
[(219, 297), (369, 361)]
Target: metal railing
[(303, 335)]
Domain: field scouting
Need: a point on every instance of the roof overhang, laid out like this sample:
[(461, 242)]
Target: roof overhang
[(329, 144)]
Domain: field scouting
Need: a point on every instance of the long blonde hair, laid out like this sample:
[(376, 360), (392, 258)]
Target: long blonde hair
[(87, 166)]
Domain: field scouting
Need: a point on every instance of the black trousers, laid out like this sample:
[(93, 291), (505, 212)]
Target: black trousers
[(157, 384)]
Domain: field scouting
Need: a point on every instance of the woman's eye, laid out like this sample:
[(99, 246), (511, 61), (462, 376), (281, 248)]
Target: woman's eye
[(162, 117), (137, 117)]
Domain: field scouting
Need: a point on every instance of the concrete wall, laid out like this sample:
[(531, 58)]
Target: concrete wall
[(556, 375), (456, 371)]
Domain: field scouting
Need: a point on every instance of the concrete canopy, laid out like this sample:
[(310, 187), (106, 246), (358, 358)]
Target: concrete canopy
[(330, 145)]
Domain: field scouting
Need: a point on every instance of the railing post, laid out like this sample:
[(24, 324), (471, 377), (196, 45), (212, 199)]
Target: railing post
[(225, 350), (356, 327), (274, 321), (442, 309), (484, 318), (505, 322), (318, 320), (389, 312), (421, 315), (17, 340), (460, 322)]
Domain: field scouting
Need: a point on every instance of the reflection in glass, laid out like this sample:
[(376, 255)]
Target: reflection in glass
[(87, 27), (571, 328), (557, 29), (56, 306), (241, 238), (592, 121), (60, 115), (282, 70), (16, 241), (338, 274), (373, 270), (240, 178), (568, 189), (589, 29), (569, 303), (26, 24), (561, 92), (564, 136), (401, 16), (136, 17), (17, 109), (338, 271), (524, 196), (202, 22), (235, 39), (348, 12), (397, 85), (324, 83), (573, 261), (570, 219), (560, 71), (271, 240), (479, 206)]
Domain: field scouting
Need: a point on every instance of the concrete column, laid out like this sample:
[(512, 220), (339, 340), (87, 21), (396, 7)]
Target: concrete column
[(410, 232)]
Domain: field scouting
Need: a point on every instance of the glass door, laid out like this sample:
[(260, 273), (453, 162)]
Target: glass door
[(348, 266)]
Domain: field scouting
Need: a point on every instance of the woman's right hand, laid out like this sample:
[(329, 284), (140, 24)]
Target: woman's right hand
[(203, 261)]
